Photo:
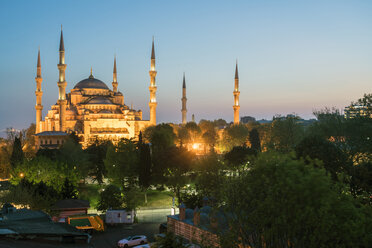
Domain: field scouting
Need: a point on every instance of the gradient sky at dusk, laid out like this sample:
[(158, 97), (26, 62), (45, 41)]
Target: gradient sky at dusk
[(294, 56)]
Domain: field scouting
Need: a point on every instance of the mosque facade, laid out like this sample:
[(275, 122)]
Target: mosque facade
[(91, 109)]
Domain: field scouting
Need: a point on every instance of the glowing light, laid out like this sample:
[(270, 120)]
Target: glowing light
[(21, 174), (194, 146)]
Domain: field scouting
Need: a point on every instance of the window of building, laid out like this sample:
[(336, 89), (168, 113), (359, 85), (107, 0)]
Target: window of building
[(57, 142), (50, 142)]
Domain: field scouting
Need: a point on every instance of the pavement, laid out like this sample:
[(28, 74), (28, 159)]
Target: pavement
[(106, 239)]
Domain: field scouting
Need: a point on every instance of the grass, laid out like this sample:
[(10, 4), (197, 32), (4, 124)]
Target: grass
[(156, 198), (90, 192)]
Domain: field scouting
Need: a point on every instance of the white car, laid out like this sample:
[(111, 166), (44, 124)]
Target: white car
[(143, 246), (132, 241)]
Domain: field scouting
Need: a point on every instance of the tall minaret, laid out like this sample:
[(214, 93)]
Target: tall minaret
[(62, 86), (39, 94), (236, 93), (152, 88), (115, 78), (184, 99)]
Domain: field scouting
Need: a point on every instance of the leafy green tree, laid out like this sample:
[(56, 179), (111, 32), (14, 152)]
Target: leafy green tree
[(17, 156), (177, 162), (29, 141), (234, 135), (37, 196), (286, 133), (284, 202), (110, 197), (254, 140), (121, 163), (96, 156), (130, 197), (330, 125), (169, 241), (183, 135), (315, 147), (239, 155), (220, 123), (194, 131), (144, 168), (161, 138), (41, 169), (68, 190), (361, 182), (210, 176)]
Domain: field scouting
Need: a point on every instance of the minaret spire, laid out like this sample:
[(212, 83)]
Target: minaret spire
[(62, 85), (115, 79), (39, 94), (236, 93), (61, 43), (152, 88), (184, 99)]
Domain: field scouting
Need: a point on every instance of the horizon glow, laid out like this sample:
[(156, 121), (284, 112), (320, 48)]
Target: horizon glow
[(293, 56)]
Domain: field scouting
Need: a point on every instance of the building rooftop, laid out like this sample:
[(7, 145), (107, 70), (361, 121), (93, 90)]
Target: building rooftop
[(51, 133)]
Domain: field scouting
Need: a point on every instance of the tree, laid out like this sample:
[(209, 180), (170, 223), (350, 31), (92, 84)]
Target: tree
[(210, 175), (41, 169), (315, 147), (234, 135), (110, 198), (284, 202), (239, 155), (17, 156), (254, 140), (121, 163), (29, 141), (168, 241), (193, 130), (183, 135), (96, 156), (177, 162), (285, 133), (68, 190), (161, 138), (144, 167), (37, 196)]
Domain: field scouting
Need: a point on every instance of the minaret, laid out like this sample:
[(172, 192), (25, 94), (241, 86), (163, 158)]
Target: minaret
[(236, 93), (39, 94), (62, 86), (115, 78), (184, 99), (152, 88)]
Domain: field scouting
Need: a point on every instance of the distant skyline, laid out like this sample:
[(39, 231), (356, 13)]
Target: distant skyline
[(293, 56)]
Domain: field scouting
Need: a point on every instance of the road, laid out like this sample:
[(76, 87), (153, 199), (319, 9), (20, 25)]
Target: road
[(105, 239)]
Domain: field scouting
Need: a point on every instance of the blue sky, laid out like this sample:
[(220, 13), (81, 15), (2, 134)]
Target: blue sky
[(294, 56)]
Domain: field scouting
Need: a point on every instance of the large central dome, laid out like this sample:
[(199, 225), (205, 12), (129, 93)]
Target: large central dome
[(91, 83)]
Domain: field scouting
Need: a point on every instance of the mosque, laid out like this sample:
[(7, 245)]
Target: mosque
[(92, 110)]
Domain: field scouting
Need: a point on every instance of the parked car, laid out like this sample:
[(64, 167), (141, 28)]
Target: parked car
[(132, 241), (143, 246)]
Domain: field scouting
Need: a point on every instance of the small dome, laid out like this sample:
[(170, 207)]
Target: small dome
[(99, 100), (91, 83)]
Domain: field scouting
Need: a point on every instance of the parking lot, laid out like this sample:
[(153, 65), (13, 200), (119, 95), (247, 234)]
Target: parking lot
[(105, 239)]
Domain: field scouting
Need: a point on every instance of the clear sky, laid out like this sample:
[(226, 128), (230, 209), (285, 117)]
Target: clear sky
[(294, 56)]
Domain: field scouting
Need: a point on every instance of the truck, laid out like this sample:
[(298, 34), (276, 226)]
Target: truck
[(87, 223)]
